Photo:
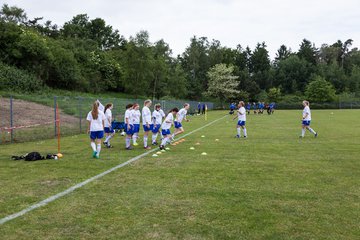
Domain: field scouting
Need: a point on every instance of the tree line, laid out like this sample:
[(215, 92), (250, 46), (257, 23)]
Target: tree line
[(89, 55)]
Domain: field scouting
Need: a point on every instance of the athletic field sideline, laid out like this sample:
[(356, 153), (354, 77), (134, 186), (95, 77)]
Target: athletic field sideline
[(272, 185)]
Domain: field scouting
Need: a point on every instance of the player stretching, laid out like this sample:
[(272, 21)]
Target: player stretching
[(96, 120), (165, 127), (146, 120)]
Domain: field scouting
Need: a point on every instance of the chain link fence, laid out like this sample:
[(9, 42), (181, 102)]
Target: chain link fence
[(28, 118)]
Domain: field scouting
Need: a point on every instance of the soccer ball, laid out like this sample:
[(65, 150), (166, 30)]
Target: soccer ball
[(122, 133)]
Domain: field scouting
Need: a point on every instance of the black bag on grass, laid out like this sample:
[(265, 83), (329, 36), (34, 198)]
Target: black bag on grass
[(32, 156)]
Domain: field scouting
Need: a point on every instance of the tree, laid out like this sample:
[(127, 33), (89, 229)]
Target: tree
[(222, 82), (282, 53), (320, 90), (274, 94), (308, 51), (12, 14), (260, 63)]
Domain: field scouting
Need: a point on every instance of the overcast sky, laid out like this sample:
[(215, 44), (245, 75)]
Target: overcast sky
[(232, 22)]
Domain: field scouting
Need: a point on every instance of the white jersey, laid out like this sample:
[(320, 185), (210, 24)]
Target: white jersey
[(168, 121), (108, 117), (157, 117), (128, 116), (181, 115), (162, 113), (96, 124), (241, 114), (135, 116), (308, 112), (146, 115)]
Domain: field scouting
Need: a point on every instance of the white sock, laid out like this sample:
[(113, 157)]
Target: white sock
[(173, 135), (134, 137), (303, 132), (163, 142), (238, 131), (93, 146), (108, 139), (312, 130), (98, 149), (244, 130), (154, 136), (127, 141), (145, 141)]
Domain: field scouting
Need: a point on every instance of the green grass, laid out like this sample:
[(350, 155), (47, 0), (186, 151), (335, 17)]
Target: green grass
[(272, 185)]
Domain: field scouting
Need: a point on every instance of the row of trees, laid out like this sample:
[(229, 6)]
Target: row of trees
[(88, 55)]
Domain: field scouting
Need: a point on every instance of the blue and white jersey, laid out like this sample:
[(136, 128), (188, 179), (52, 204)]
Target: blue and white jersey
[(146, 115), (241, 114), (168, 121), (181, 115), (308, 112), (157, 117)]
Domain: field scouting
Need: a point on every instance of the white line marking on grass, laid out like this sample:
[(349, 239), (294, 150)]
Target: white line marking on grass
[(79, 185)]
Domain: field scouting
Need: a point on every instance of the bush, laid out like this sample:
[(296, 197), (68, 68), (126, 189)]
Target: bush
[(320, 90), (14, 79)]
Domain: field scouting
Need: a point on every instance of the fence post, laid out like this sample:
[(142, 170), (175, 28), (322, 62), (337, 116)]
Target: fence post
[(80, 114), (11, 120), (55, 116)]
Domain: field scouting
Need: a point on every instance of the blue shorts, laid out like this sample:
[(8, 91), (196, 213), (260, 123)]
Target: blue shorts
[(165, 132), (241, 123), (129, 131), (109, 130), (306, 123), (96, 135), (156, 128), (146, 129), (177, 125), (136, 128)]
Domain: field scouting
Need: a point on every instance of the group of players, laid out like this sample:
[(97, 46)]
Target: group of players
[(100, 122), (305, 124)]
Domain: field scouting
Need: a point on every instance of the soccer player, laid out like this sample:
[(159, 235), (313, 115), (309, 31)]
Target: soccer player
[(157, 116), (135, 117), (128, 126), (180, 116), (166, 125), (306, 118), (241, 115), (96, 120), (109, 131), (146, 120), (248, 108)]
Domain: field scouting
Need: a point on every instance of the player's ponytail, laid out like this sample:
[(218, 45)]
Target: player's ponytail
[(95, 110), (107, 107)]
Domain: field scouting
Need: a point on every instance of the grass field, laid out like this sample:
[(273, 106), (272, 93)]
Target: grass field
[(272, 185)]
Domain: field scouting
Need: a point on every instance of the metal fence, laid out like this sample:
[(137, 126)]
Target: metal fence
[(328, 105), (27, 118)]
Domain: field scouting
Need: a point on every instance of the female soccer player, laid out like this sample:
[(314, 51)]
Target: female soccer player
[(136, 123), (157, 120), (96, 120), (241, 115), (146, 120), (180, 116), (128, 126), (165, 127), (109, 132), (306, 118)]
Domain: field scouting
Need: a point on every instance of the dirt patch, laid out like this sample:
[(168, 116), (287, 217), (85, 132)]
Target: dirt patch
[(28, 113)]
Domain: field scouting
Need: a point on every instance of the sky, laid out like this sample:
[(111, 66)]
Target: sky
[(244, 22)]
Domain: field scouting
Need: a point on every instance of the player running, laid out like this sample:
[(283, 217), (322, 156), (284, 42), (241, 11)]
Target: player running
[(157, 116), (166, 125), (180, 116)]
